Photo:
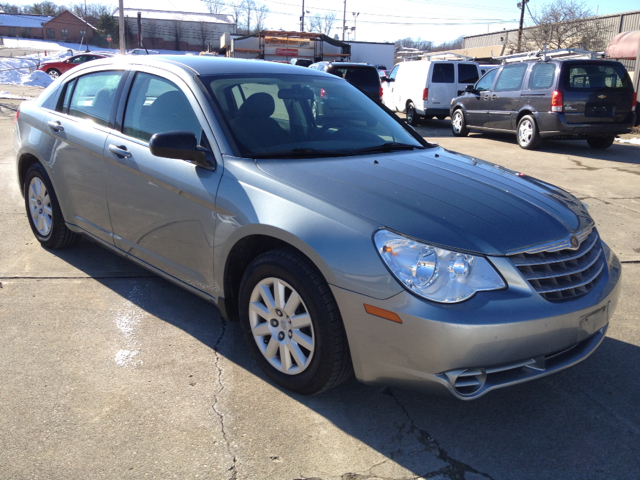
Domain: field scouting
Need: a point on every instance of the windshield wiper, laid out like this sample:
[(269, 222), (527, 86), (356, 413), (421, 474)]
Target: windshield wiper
[(298, 153), (385, 147)]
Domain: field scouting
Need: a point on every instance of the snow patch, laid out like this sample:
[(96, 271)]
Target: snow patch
[(127, 319), (125, 358), (633, 141)]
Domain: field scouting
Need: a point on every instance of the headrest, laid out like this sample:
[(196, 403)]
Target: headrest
[(258, 105)]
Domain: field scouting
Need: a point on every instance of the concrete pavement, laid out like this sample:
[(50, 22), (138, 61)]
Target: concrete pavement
[(107, 371)]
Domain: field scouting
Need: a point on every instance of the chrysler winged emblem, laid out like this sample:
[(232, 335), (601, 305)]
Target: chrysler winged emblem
[(602, 96), (574, 241)]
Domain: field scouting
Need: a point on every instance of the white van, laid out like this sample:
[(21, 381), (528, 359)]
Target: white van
[(425, 88)]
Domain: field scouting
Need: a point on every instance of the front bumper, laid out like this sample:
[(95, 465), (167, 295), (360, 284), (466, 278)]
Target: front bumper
[(493, 340), (555, 125)]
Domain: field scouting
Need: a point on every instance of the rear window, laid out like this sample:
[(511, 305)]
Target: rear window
[(596, 76), (467, 73), (361, 76), (542, 75), (443, 73)]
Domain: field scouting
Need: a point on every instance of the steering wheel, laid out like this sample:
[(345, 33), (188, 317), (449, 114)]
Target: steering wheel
[(327, 126)]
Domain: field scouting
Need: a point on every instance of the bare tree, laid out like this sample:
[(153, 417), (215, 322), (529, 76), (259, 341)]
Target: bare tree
[(327, 22), (215, 6), (151, 31), (177, 32), (248, 7), (260, 16), (315, 23), (565, 24), (236, 11), (202, 34)]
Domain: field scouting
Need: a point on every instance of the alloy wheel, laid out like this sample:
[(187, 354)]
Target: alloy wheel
[(40, 207)]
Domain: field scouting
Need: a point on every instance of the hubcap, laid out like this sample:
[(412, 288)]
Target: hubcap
[(457, 121), (40, 207), (281, 326), (525, 132)]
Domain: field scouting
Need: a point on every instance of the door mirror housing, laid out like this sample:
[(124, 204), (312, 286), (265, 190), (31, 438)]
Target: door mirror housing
[(470, 88), (182, 145)]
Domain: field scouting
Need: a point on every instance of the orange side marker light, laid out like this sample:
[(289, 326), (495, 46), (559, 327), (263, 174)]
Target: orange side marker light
[(382, 313)]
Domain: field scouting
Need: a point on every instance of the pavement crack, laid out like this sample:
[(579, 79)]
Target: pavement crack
[(216, 395), (455, 469)]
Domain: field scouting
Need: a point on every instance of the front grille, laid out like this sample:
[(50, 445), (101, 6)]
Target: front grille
[(565, 274)]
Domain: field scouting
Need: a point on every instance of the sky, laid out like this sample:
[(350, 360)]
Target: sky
[(388, 20)]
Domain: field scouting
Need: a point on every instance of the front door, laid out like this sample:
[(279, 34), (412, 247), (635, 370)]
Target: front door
[(505, 98)]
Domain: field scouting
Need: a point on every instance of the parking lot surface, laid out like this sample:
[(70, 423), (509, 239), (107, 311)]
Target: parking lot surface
[(107, 371)]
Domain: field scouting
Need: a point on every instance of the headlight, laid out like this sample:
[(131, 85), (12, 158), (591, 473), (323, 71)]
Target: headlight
[(435, 273)]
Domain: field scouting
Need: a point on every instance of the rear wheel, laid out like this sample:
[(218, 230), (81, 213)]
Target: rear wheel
[(292, 324), (43, 210), (527, 134), (412, 115), (458, 124), (53, 72), (601, 142)]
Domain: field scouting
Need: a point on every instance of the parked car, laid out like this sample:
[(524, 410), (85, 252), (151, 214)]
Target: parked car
[(424, 89), (552, 98), (339, 246), (301, 62), (142, 51), (57, 68), (362, 75)]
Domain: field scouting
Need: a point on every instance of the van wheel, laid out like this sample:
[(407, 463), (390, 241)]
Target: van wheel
[(412, 115), (292, 324), (458, 124), (600, 142), (527, 134)]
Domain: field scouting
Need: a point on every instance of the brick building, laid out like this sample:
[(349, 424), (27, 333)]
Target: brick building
[(65, 27), (23, 26)]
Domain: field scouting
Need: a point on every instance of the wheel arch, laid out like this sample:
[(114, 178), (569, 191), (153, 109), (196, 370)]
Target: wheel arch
[(24, 163), (526, 111)]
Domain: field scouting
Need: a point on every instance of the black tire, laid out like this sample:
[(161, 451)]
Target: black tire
[(43, 210), (601, 142), (527, 135), (329, 361), (412, 116), (459, 124), (53, 72)]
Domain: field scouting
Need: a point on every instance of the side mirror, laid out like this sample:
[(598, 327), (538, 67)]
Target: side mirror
[(470, 89), (182, 145), (389, 79), (384, 79)]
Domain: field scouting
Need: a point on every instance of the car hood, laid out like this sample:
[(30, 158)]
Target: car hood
[(440, 197)]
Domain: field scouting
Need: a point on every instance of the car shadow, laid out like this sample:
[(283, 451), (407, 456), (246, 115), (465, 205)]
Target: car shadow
[(580, 423)]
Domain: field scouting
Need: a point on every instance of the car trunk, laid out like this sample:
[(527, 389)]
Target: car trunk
[(596, 92)]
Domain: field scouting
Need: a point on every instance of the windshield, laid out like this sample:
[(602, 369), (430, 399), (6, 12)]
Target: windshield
[(304, 116)]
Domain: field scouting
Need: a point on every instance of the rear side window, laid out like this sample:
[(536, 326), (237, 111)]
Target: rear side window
[(443, 73), (511, 77), (93, 96), (467, 73), (542, 75), (593, 76), (358, 76)]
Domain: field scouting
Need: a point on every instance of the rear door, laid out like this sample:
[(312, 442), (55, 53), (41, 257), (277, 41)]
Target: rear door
[(505, 98), (596, 92), (442, 85), (389, 96), (538, 90)]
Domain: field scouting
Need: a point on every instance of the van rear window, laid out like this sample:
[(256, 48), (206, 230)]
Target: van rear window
[(443, 73), (467, 73), (593, 76)]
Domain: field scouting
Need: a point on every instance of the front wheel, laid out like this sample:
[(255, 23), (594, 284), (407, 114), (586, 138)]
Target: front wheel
[(412, 115), (292, 324), (527, 134), (458, 124), (53, 73), (601, 142), (43, 210)]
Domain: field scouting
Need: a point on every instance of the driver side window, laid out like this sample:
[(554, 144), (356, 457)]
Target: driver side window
[(486, 82)]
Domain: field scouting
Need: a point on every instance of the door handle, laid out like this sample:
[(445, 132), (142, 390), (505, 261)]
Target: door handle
[(494, 96), (120, 151), (486, 96), (55, 126)]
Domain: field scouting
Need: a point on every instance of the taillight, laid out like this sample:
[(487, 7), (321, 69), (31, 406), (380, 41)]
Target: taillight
[(15, 119), (556, 101), (323, 93), (425, 94), (634, 102), (381, 92)]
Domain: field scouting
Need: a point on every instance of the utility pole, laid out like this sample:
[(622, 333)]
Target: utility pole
[(86, 27), (302, 18), (121, 25), (344, 19), (521, 5), (355, 17), (140, 29)]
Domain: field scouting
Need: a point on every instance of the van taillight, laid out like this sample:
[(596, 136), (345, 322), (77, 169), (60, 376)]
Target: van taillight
[(425, 94), (381, 92), (15, 119), (633, 102), (556, 101), (323, 93)]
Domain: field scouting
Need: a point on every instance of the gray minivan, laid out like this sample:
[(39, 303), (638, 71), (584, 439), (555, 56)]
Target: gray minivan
[(583, 99)]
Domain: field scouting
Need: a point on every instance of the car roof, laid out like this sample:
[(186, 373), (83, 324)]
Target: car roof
[(206, 65)]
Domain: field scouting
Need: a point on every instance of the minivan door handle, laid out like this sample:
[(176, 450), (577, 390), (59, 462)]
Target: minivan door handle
[(55, 126), (494, 96), (121, 151), (486, 96)]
